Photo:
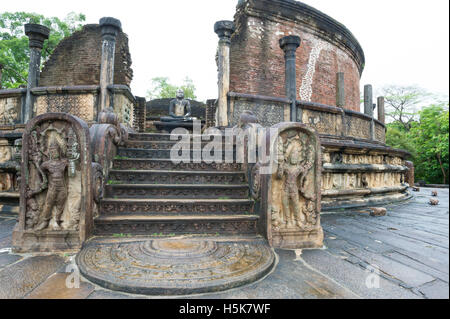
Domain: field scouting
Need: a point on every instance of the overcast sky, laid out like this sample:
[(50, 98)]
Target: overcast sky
[(406, 42)]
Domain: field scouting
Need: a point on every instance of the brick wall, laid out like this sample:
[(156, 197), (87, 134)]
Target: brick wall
[(76, 60), (257, 62)]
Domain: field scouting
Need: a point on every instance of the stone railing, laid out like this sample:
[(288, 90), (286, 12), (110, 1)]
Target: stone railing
[(324, 119)]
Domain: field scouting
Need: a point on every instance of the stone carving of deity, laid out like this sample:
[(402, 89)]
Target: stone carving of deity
[(56, 197), (295, 163)]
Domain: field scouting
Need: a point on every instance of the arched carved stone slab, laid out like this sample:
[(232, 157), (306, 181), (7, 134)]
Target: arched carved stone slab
[(291, 191), (56, 195)]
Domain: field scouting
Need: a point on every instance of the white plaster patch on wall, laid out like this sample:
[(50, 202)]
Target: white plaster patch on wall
[(306, 87)]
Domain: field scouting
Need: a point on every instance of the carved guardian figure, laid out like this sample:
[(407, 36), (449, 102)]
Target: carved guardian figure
[(291, 192), (57, 189)]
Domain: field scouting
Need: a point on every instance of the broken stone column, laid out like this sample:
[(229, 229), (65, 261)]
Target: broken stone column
[(409, 178), (37, 34), (369, 107), (340, 90), (381, 113), (368, 100), (289, 45), (110, 29), (224, 30)]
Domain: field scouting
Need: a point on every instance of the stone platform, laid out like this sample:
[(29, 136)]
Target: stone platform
[(175, 266)]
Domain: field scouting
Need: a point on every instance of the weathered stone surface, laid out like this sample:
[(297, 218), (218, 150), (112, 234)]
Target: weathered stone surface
[(435, 290), (76, 60), (175, 267), (6, 259), (19, 280), (257, 64), (55, 288)]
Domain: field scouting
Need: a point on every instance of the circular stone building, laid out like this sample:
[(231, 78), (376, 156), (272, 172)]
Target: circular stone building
[(358, 168)]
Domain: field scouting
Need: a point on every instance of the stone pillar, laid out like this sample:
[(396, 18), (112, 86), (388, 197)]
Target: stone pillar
[(381, 114), (409, 178), (340, 90), (37, 34), (224, 30), (368, 100), (110, 29), (289, 45), (369, 107)]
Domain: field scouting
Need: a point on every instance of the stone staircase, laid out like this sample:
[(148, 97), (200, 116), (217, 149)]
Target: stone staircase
[(148, 194)]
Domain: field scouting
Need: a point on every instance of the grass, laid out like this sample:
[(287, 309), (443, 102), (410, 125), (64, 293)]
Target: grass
[(117, 157), (121, 235), (111, 182)]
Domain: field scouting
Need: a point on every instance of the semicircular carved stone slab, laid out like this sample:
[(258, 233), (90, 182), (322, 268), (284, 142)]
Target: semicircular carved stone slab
[(55, 197), (291, 191)]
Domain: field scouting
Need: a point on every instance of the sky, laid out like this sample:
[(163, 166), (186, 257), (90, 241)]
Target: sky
[(406, 42)]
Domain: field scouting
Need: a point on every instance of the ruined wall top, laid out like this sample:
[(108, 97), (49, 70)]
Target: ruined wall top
[(77, 58), (300, 12)]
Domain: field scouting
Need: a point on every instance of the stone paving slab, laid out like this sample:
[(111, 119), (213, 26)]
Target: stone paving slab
[(55, 288), (410, 245), (435, 290), (354, 277), (21, 278), (7, 259)]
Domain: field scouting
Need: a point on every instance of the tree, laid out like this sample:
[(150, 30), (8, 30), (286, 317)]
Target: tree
[(14, 51), (403, 103), (430, 136), (162, 89), (398, 137)]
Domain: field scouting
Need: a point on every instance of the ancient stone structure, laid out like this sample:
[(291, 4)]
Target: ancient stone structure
[(76, 60), (224, 30), (328, 47), (86, 169), (37, 34), (56, 199), (289, 45), (409, 178)]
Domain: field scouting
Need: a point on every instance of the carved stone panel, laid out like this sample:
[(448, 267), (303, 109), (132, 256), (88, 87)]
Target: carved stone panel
[(55, 192), (291, 193), (80, 105), (268, 113), (10, 110)]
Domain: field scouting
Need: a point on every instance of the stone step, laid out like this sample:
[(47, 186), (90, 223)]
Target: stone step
[(177, 191), (175, 177), (175, 207), (165, 136), (176, 225), (167, 145), (168, 165), (129, 153)]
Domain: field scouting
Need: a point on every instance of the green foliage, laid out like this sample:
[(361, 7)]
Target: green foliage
[(430, 137), (162, 89), (397, 137), (14, 51), (427, 140)]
